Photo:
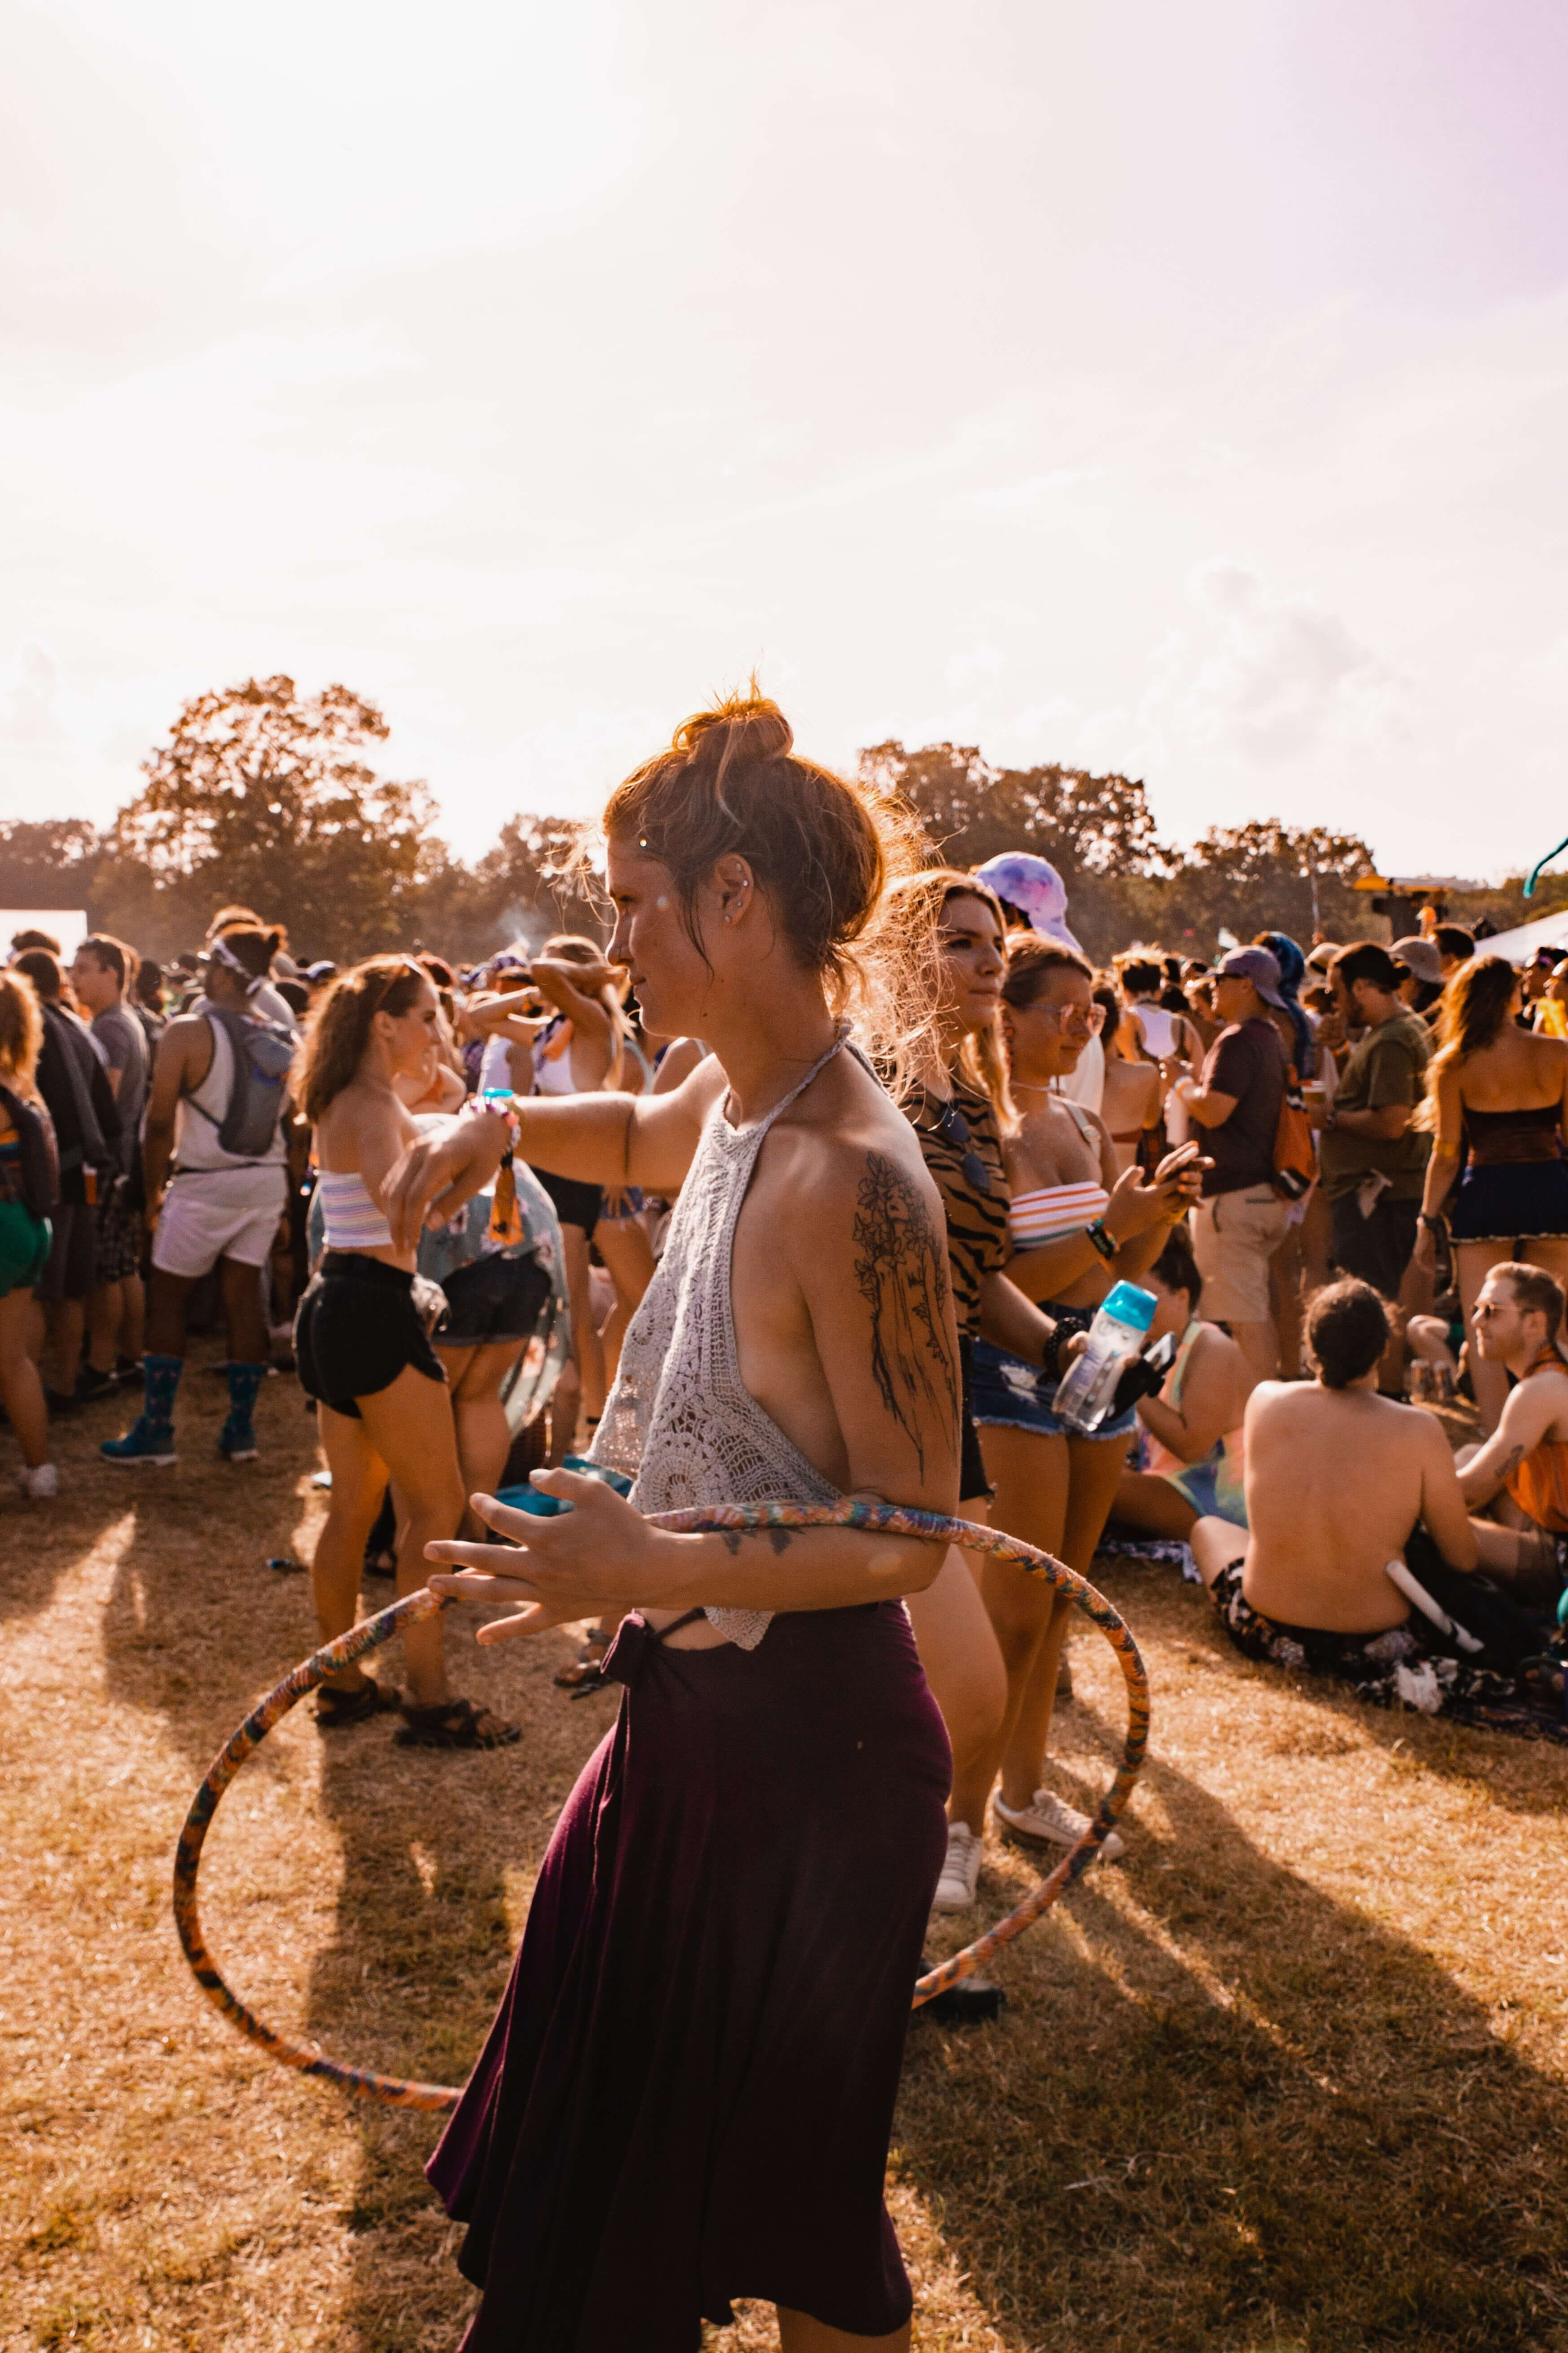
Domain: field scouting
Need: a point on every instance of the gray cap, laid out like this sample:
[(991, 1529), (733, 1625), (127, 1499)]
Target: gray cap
[(1422, 957), (1260, 966)]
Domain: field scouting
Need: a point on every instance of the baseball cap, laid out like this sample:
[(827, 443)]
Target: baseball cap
[(1033, 886), (323, 969), (1422, 957), (1260, 968)]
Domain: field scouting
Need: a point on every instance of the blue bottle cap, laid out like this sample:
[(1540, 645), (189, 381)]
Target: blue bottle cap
[(1130, 1304)]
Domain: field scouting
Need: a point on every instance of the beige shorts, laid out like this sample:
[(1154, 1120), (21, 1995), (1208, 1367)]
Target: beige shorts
[(1235, 1234)]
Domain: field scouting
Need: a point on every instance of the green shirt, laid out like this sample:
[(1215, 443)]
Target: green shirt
[(1388, 1067)]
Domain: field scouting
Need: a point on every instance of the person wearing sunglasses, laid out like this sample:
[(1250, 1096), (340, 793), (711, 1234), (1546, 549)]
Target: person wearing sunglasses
[(1075, 1227), (953, 1090)]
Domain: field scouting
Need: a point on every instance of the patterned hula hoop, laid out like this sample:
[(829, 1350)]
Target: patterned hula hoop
[(891, 1519)]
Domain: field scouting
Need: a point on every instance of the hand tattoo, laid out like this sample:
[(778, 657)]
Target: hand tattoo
[(902, 1273)]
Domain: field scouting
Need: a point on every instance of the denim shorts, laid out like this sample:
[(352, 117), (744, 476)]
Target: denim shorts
[(1012, 1395)]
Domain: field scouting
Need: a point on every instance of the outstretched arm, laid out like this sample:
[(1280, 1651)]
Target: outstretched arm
[(604, 1139)]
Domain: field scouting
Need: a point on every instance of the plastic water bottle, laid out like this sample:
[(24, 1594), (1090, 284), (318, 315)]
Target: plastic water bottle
[(1116, 1336)]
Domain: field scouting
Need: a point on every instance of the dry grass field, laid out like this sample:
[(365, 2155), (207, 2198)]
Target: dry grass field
[(1291, 2075)]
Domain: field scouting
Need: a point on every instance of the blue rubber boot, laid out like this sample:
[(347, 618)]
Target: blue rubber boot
[(150, 1438), (236, 1440)]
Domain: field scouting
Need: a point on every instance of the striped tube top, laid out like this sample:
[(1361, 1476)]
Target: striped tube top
[(1053, 1210), (352, 1221)]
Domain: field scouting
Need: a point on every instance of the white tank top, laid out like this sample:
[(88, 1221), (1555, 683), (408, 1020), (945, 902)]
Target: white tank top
[(196, 1147), (553, 1071), (1158, 1024)]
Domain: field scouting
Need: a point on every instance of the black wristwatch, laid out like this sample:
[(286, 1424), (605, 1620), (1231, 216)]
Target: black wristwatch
[(1104, 1241), (1437, 1225)]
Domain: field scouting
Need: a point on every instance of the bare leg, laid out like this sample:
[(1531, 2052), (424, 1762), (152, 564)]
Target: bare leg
[(484, 1433), (21, 1390), (1149, 1503), (798, 2333), (1522, 1559), (105, 1316), (1259, 1345), (1473, 1262), (626, 1249), (244, 1305), (586, 1345), (359, 1479), (1031, 1473), (166, 1298), (66, 1320), (963, 1668), (410, 1426), (1094, 1467), (1285, 1273), (1216, 1544)]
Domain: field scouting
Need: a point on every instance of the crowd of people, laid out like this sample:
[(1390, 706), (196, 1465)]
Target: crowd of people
[(816, 1175)]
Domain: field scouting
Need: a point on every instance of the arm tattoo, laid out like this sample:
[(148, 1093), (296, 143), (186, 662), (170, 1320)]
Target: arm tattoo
[(901, 1267)]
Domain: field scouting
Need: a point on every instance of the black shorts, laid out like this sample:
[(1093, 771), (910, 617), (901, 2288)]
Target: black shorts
[(1378, 1247), (576, 1204), (1510, 1201), (494, 1299), (971, 1479), (356, 1327), (72, 1266)]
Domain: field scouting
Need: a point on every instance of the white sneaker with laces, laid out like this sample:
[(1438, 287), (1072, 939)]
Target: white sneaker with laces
[(955, 1890), (1050, 1820), (42, 1483)]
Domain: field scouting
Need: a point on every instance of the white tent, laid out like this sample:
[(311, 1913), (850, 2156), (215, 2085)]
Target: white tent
[(1519, 945)]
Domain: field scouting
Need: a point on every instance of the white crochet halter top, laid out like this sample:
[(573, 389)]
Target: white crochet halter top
[(679, 1422)]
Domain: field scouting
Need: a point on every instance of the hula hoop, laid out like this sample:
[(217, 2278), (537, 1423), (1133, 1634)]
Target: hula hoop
[(891, 1519)]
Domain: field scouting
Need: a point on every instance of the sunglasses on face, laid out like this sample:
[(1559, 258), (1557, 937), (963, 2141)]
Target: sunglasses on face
[(1090, 1017), (953, 1128)]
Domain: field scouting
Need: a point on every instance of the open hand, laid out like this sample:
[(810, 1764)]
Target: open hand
[(601, 1557)]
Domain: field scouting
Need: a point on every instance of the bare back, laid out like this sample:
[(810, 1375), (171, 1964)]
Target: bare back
[(1520, 1070), (1336, 1479)]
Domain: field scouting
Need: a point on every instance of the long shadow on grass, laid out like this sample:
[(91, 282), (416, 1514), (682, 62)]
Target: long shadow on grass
[(439, 1853), (1224, 2111)]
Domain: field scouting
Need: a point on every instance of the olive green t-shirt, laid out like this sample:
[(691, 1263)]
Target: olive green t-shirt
[(1388, 1067)]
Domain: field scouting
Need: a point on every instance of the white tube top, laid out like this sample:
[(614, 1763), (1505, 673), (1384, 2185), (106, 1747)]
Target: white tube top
[(353, 1221), (1053, 1210)]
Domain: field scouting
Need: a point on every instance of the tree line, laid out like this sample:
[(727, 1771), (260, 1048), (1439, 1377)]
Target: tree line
[(271, 798)]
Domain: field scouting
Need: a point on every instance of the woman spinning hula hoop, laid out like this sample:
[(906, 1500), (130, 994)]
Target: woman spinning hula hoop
[(688, 2093)]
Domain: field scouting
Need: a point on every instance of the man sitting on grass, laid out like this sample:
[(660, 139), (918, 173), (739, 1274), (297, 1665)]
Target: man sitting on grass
[(1348, 1495), (1521, 1471)]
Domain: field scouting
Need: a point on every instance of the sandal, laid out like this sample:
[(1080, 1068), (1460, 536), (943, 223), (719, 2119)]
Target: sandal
[(455, 1723), (583, 1669), (339, 1707)]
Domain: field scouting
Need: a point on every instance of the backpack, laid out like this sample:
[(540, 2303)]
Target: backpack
[(38, 1168), (1295, 1148), (263, 1057)]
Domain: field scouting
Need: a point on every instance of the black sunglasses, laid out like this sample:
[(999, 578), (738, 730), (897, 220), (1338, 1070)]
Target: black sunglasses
[(953, 1128)]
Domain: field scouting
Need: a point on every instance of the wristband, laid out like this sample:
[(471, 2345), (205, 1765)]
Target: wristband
[(501, 1107), (1102, 1240), (1437, 1225)]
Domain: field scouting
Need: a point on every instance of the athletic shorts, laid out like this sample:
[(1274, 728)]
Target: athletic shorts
[(23, 1246), (358, 1324), (218, 1213), (1235, 1234), (73, 1252), (576, 1204), (494, 1299)]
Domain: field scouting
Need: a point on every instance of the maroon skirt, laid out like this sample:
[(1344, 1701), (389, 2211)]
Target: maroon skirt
[(687, 2090)]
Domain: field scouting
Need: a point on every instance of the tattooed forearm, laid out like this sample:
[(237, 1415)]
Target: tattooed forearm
[(901, 1267)]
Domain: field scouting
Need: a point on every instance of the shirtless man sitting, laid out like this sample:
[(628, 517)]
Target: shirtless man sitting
[(1339, 1481), (1521, 1471)]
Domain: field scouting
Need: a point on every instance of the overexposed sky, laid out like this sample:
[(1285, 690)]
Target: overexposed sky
[(1177, 389)]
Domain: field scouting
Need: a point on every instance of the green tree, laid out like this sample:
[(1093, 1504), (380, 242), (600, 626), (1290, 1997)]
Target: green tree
[(1268, 876), (47, 862), (264, 796)]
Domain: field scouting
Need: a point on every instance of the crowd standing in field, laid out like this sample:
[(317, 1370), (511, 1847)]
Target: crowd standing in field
[(831, 1170)]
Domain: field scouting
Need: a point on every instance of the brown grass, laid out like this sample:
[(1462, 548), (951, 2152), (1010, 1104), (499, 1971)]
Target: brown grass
[(1290, 2076)]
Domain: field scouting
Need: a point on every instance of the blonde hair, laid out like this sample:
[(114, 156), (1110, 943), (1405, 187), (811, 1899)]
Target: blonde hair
[(1473, 1013), (21, 1026), (907, 945)]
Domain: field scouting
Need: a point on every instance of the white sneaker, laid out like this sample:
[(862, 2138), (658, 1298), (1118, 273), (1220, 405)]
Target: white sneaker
[(1050, 1820), (42, 1483), (955, 1890)]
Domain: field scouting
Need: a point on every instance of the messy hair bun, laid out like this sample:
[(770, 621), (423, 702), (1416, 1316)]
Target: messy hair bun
[(820, 846)]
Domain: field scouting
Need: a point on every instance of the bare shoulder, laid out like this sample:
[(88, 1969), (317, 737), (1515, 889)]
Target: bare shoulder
[(843, 1123)]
